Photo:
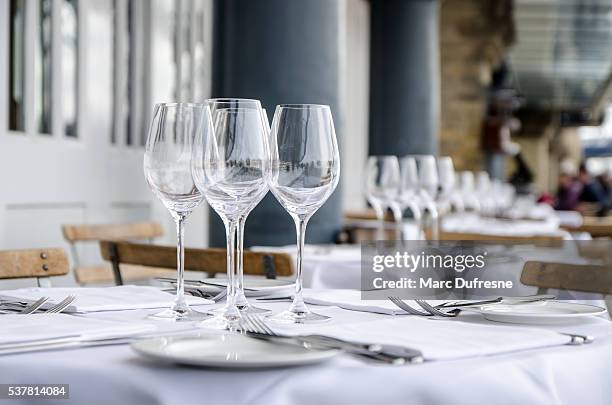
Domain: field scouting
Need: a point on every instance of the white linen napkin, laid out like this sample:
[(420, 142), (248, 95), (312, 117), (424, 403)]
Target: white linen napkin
[(118, 298), (351, 300), (21, 329), (437, 339)]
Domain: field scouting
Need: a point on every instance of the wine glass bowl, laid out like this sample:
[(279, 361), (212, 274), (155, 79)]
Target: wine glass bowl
[(305, 172)]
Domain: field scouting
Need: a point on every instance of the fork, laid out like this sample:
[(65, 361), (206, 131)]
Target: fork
[(61, 306), (403, 306), (27, 308), (254, 326)]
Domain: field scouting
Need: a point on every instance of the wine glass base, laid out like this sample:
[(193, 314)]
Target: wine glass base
[(221, 322), (179, 315), (226, 318), (298, 317)]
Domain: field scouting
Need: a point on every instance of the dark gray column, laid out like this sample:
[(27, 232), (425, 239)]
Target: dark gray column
[(279, 51), (404, 77)]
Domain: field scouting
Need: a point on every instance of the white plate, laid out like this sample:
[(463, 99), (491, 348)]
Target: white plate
[(228, 351), (255, 287), (548, 312)]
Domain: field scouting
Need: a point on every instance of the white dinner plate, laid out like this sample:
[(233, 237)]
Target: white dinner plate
[(228, 351), (256, 286), (548, 312)]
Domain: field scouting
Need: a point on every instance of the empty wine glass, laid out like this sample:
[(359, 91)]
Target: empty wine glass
[(483, 192), (220, 104), (448, 196), (470, 199), (409, 190), (305, 172), (382, 188), (231, 169), (428, 184), (167, 168)]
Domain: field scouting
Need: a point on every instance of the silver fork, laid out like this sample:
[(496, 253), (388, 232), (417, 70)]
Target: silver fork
[(61, 306), (433, 311), (403, 306), (26, 309)]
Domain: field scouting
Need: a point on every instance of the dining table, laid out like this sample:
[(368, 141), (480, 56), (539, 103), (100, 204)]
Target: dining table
[(116, 374)]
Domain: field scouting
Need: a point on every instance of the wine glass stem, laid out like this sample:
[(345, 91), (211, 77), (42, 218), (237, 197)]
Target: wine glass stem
[(416, 214), (380, 215), (230, 233), (240, 298), (298, 301), (399, 220), (180, 262)]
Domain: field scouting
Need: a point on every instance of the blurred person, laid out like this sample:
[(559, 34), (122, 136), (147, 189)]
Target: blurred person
[(593, 194), (569, 188), (604, 180)]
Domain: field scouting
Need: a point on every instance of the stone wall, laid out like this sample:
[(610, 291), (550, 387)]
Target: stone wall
[(474, 36)]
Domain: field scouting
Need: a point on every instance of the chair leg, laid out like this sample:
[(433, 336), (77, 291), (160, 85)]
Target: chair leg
[(268, 267), (43, 282), (114, 256)]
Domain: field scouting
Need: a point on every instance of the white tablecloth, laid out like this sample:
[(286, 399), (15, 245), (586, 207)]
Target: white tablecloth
[(116, 375)]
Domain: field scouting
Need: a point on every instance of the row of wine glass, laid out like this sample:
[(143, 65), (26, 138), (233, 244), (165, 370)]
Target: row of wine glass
[(423, 185)]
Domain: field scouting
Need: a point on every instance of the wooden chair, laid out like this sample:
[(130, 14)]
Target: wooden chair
[(34, 263), (545, 240), (102, 273), (211, 260), (572, 277), (565, 276)]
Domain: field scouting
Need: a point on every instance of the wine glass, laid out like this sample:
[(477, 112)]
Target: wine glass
[(470, 200), (231, 169), (409, 190), (219, 104), (448, 194), (483, 192), (382, 188), (305, 172), (428, 185), (167, 169)]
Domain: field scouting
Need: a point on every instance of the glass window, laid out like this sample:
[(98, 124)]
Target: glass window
[(70, 44), (16, 65), (43, 69), (130, 72), (121, 72)]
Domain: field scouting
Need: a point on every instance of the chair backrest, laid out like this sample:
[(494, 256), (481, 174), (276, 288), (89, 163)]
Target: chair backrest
[(142, 230), (209, 260), (86, 274), (553, 240), (33, 263), (565, 276)]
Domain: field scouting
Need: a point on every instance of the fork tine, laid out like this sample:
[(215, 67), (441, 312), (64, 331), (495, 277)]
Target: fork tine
[(263, 325), (30, 309), (403, 306), (65, 303), (246, 324), (256, 325), (427, 307)]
